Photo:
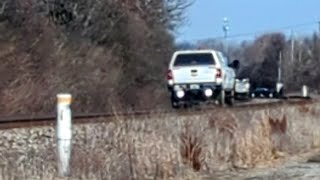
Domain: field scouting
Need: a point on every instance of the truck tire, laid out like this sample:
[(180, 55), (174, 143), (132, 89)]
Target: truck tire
[(174, 103), (280, 95), (230, 98)]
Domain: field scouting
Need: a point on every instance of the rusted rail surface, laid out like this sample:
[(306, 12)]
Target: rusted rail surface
[(21, 118), (7, 122)]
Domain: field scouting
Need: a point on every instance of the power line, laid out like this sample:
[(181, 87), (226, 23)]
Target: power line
[(270, 30), (289, 27)]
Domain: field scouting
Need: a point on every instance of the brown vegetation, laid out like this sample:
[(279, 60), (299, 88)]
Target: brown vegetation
[(278, 125), (103, 52), (191, 148)]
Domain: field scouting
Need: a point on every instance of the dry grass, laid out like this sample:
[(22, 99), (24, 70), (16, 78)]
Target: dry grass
[(170, 147)]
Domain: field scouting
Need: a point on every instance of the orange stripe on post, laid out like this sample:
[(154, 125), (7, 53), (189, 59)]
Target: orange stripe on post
[(64, 99)]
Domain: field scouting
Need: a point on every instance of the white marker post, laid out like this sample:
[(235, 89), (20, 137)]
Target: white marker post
[(304, 91), (64, 133)]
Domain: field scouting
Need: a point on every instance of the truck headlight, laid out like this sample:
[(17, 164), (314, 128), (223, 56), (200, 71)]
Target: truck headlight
[(180, 94), (208, 92)]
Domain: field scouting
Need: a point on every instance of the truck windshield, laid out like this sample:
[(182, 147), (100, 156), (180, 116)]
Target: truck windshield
[(194, 59)]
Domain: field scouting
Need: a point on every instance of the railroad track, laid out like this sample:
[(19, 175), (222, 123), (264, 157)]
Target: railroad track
[(9, 122)]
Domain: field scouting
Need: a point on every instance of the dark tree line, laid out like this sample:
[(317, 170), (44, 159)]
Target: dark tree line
[(260, 59)]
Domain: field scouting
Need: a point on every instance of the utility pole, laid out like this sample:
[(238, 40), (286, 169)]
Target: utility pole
[(279, 84), (292, 46), (226, 30), (279, 67)]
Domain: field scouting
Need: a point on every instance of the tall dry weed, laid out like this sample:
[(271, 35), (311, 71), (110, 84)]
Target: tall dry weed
[(192, 148)]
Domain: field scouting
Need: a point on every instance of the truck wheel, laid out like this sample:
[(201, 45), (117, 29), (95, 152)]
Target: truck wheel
[(222, 98), (230, 98), (281, 94), (174, 103)]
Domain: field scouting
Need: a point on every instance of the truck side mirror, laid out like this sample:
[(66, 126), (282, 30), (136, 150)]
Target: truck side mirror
[(235, 64)]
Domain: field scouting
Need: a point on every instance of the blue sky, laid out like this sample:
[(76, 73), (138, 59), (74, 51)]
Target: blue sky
[(249, 16)]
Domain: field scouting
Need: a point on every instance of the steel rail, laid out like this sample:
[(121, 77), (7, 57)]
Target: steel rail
[(78, 118)]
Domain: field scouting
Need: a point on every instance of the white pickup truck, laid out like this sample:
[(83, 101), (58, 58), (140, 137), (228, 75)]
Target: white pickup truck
[(201, 75)]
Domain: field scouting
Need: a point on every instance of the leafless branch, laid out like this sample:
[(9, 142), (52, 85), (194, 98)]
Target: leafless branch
[(3, 7)]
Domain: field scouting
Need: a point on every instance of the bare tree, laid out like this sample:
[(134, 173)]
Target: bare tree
[(102, 51), (170, 13)]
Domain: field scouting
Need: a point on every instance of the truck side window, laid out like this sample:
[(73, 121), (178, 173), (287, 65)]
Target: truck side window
[(222, 59), (225, 59)]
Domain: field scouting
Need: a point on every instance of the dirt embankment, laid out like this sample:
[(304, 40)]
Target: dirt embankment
[(175, 147)]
